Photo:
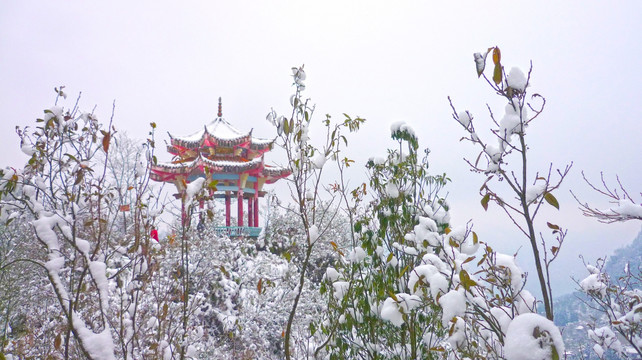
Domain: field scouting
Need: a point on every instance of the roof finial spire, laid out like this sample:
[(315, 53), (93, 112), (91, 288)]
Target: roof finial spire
[(220, 107)]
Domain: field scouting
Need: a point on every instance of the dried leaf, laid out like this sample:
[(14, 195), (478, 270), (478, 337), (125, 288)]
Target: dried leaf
[(106, 139), (552, 226), (480, 63), (58, 342), (497, 55), (79, 177)]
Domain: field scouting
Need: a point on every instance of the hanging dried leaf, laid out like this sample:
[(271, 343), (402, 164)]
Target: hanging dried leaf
[(79, 176), (497, 55), (480, 63), (106, 139), (259, 286), (58, 342)]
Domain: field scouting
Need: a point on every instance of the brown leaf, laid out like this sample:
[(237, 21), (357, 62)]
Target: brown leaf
[(79, 176), (552, 226), (106, 140), (58, 342)]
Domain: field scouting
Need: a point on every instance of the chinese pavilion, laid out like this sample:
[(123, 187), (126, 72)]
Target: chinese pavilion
[(233, 158)]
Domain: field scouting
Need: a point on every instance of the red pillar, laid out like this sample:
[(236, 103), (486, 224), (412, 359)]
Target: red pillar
[(228, 203), (256, 203), (250, 212), (239, 202), (256, 210)]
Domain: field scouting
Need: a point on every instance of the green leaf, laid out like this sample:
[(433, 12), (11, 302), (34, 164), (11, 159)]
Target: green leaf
[(404, 271), (389, 257), (287, 256), (484, 201), (465, 280), (551, 200), (497, 74), (555, 354)]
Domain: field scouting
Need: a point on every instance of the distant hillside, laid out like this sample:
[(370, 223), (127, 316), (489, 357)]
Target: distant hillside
[(573, 311), (631, 254)]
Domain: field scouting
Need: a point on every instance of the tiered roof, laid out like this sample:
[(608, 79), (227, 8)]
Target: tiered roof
[(219, 148)]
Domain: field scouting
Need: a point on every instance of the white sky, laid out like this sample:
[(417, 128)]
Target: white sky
[(168, 62)]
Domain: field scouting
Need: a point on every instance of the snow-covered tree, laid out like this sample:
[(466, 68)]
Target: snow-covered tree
[(617, 298), (75, 217), (307, 162), (509, 184)]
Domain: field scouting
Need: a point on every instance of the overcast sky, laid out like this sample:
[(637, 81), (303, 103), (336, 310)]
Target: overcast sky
[(168, 62)]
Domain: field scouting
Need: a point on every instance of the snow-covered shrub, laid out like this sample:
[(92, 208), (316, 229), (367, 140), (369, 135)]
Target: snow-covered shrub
[(414, 287), (77, 221), (619, 301)]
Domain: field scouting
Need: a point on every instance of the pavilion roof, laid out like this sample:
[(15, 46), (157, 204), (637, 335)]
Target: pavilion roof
[(219, 132), (201, 164)]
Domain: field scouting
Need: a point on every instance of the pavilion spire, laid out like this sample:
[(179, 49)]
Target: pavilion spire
[(220, 107)]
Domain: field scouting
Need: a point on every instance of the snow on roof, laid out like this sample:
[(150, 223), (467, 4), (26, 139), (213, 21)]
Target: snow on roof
[(272, 173), (223, 131)]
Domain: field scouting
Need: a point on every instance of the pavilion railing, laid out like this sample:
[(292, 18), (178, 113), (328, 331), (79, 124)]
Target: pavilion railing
[(238, 231)]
